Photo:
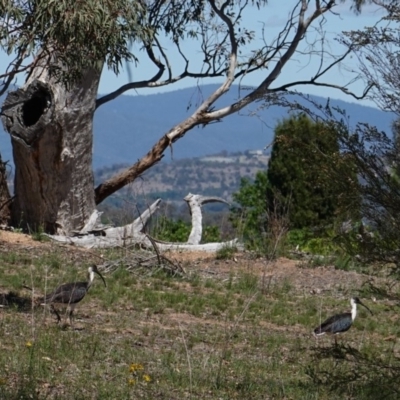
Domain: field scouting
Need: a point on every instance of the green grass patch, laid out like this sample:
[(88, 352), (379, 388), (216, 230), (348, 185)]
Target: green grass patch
[(219, 337)]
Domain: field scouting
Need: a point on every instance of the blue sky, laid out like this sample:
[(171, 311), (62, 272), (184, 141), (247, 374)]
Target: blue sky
[(274, 16)]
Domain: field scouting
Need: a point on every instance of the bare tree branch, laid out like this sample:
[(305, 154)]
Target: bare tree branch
[(8, 76), (281, 54), (325, 84), (264, 86), (377, 50), (210, 55)]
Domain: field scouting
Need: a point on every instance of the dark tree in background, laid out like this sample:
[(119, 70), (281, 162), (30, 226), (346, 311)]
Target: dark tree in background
[(310, 186), (304, 173)]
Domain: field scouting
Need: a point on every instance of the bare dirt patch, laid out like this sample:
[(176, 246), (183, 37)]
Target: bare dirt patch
[(296, 273), (14, 238)]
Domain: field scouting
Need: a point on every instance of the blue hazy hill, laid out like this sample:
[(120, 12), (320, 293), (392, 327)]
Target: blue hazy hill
[(126, 128)]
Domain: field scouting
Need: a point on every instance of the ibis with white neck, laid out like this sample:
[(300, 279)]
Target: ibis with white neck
[(70, 294), (340, 323)]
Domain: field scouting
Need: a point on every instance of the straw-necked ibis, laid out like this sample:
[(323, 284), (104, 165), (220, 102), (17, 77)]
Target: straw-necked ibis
[(340, 322), (70, 294)]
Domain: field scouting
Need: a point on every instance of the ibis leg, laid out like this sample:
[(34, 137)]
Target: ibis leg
[(71, 312), (57, 314)]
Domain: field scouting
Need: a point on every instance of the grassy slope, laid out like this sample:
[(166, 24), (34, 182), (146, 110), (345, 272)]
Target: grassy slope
[(217, 333)]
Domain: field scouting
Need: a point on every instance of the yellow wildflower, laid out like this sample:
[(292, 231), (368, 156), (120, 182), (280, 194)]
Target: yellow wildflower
[(146, 378), (136, 367), (28, 344), (131, 382)]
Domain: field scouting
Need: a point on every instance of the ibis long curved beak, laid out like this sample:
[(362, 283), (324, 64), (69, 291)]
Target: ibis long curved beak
[(366, 307), (101, 276), (94, 268)]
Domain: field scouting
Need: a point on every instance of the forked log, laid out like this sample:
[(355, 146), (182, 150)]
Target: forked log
[(92, 236)]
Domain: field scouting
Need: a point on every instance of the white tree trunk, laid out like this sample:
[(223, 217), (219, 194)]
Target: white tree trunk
[(51, 134)]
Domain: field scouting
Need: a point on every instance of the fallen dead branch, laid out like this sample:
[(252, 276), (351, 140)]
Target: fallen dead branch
[(96, 235)]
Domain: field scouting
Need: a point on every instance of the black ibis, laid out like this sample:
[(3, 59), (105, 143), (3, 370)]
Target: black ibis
[(70, 294), (340, 322)]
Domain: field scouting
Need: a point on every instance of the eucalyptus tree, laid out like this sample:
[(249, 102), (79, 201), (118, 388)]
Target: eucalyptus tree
[(63, 47)]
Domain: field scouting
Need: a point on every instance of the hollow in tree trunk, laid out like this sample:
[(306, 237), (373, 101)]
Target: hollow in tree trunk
[(51, 134)]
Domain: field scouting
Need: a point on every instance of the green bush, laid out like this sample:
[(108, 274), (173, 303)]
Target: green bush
[(309, 179), (248, 216), (211, 233), (308, 188), (171, 230)]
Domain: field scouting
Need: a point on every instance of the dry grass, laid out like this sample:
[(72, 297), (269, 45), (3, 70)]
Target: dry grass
[(212, 334)]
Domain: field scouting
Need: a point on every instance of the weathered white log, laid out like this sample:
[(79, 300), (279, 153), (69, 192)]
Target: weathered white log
[(92, 222), (139, 239), (127, 234), (112, 237), (140, 222), (195, 201), (132, 234), (206, 247)]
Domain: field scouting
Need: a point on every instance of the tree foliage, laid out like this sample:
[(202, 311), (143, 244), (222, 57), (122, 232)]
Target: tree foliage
[(84, 35), (375, 237), (177, 230), (309, 186), (367, 174), (302, 170), (250, 217), (79, 35), (300, 188), (375, 154)]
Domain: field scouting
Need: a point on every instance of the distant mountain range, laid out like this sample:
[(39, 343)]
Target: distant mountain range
[(218, 175), (126, 128)]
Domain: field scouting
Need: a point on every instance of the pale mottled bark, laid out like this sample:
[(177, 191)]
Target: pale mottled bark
[(51, 133), (195, 202), (5, 198)]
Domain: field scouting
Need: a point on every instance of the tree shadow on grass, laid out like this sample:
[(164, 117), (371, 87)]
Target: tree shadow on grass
[(13, 300), (343, 371)]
